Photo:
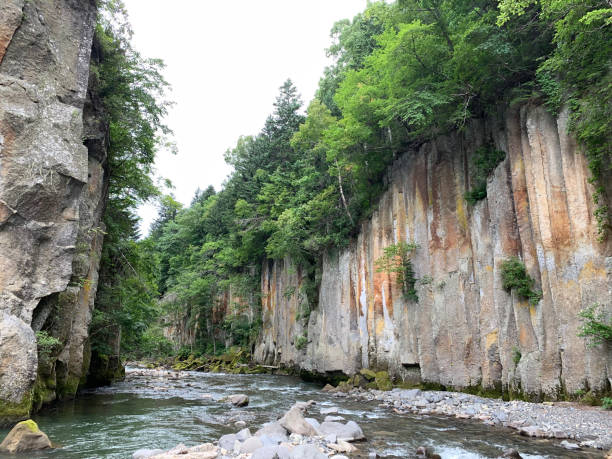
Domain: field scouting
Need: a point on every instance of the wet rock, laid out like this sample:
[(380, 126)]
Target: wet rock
[(238, 400), (423, 451), (333, 418), (531, 431), (303, 406), (272, 452), (330, 410), (294, 422), (240, 424), (568, 445), (145, 453), (25, 436), (511, 454), (328, 388), (307, 452)]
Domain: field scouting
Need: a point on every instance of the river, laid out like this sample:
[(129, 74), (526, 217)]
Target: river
[(149, 411)]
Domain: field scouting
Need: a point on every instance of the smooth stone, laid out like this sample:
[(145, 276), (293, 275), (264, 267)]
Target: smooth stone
[(145, 453), (568, 445), (240, 424), (307, 452), (313, 422), (333, 418), (511, 454), (294, 422), (243, 435), (331, 410), (331, 438), (349, 431), (25, 436), (238, 400), (250, 445), (227, 441), (272, 452), (272, 429)]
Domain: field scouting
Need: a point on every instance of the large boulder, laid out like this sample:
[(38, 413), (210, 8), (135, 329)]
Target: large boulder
[(347, 432), (238, 400), (25, 436), (294, 422)]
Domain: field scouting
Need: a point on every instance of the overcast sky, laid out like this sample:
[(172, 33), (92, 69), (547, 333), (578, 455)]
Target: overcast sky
[(225, 61)]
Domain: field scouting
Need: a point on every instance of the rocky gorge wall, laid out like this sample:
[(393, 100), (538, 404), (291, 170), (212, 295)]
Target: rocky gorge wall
[(465, 330), (53, 187)]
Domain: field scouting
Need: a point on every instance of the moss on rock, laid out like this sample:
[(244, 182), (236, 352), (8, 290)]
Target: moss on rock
[(12, 412)]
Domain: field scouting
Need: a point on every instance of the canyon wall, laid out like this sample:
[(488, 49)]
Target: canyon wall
[(465, 330), (53, 187)]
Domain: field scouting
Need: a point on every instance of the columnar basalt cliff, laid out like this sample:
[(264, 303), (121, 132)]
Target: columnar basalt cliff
[(52, 194), (465, 330)]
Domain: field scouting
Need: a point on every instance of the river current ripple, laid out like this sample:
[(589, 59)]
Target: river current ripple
[(149, 410)]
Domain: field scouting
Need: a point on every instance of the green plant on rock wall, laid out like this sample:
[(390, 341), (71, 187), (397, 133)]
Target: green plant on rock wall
[(484, 161), (515, 277), (397, 260), (300, 342), (46, 345), (606, 403), (516, 355), (596, 325)]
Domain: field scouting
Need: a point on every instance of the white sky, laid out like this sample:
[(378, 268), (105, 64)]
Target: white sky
[(226, 60)]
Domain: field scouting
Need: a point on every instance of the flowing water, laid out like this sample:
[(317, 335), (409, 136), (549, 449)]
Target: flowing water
[(157, 412)]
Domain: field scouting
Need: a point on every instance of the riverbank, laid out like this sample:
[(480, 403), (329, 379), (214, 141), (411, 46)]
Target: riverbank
[(578, 425)]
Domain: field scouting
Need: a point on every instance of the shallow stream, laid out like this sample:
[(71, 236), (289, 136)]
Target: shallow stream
[(159, 412)]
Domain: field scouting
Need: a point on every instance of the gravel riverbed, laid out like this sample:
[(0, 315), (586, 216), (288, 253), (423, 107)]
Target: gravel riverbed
[(581, 426)]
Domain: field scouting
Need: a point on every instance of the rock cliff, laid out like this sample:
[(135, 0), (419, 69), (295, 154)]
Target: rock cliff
[(465, 330), (52, 196)]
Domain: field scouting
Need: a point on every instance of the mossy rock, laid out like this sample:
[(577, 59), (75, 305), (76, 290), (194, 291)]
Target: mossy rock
[(12, 412), (368, 374), (383, 382), (25, 436)]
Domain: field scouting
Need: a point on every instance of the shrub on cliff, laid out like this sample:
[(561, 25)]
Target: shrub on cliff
[(515, 277)]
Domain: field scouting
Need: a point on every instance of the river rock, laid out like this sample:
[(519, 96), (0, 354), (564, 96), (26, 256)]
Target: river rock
[(227, 441), (307, 452), (243, 435), (330, 410), (511, 454), (348, 432), (250, 445), (25, 436), (145, 453), (274, 431), (294, 422), (568, 445), (272, 452), (333, 418), (313, 422), (342, 447), (238, 400), (328, 388)]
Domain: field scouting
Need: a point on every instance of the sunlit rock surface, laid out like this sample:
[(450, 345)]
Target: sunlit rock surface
[(465, 329)]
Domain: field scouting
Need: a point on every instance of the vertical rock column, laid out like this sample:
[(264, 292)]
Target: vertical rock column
[(45, 49)]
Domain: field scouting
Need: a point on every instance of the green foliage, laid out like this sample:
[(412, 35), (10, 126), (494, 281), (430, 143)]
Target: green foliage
[(130, 90), (397, 260), (516, 355), (484, 161), (606, 403), (300, 342), (596, 325), (47, 345), (515, 277)]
